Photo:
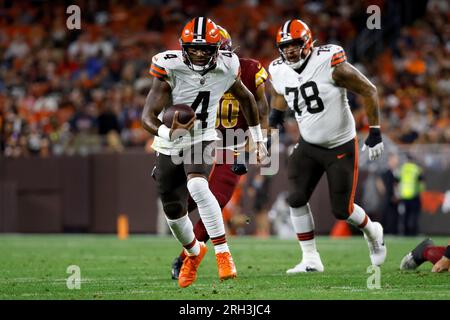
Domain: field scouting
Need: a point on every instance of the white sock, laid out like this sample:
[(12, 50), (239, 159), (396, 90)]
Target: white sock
[(183, 231), (209, 211), (360, 219), (303, 223)]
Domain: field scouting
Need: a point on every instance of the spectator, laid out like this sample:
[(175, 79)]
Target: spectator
[(411, 183), (389, 192)]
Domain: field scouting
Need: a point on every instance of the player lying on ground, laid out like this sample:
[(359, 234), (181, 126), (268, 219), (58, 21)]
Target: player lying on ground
[(225, 176), (312, 81), (197, 75), (439, 256)]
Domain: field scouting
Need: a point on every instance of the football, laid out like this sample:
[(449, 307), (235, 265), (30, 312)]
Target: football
[(185, 113)]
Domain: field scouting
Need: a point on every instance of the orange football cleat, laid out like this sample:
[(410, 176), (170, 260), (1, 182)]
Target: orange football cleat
[(188, 272), (225, 264)]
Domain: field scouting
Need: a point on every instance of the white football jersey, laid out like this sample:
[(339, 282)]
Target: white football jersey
[(321, 107), (202, 93)]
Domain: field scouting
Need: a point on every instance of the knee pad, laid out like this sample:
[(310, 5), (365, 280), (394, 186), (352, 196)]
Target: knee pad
[(174, 209), (340, 212), (198, 187), (296, 200)]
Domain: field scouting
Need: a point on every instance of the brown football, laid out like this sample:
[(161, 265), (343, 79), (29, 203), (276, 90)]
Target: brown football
[(185, 113)]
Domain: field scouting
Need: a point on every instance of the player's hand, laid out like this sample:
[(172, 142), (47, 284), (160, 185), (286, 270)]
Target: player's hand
[(262, 155), (179, 128), (374, 143), (442, 265)]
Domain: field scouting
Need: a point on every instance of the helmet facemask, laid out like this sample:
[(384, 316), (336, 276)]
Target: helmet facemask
[(300, 46), (211, 52)]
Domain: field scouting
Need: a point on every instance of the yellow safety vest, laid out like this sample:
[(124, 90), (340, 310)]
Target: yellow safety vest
[(410, 186)]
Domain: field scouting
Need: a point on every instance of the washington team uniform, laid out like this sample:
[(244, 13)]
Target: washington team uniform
[(203, 94), (327, 128), (223, 181)]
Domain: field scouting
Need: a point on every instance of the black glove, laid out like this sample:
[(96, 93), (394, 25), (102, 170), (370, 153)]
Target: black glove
[(375, 143), (239, 168), (374, 137)]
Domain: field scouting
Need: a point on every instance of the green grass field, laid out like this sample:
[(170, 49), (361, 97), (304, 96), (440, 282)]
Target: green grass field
[(34, 267)]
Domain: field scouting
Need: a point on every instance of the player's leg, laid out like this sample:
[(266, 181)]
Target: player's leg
[(208, 206), (222, 182), (171, 186), (303, 175), (342, 174), (425, 251)]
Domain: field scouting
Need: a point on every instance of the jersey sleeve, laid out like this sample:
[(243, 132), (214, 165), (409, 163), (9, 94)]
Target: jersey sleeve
[(234, 70), (261, 75), (160, 69), (337, 56), (273, 77)]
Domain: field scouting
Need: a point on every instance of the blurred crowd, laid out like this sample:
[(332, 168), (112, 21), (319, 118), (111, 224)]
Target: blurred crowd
[(80, 91)]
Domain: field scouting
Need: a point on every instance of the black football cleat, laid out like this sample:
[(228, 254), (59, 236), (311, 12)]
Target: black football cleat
[(415, 258), (176, 267)]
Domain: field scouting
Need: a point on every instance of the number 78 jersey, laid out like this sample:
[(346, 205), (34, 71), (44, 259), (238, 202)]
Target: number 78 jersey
[(321, 107)]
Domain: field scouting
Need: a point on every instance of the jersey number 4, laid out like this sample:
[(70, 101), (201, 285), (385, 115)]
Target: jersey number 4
[(307, 96), (203, 99)]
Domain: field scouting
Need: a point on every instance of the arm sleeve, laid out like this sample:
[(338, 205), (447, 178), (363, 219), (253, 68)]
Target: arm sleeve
[(159, 69), (234, 70), (337, 56), (260, 76), (273, 78)]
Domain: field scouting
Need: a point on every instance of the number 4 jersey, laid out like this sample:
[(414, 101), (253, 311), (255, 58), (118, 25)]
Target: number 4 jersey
[(321, 107), (201, 92)]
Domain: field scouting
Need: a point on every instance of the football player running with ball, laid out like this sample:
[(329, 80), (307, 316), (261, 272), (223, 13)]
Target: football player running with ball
[(225, 176), (313, 82), (197, 75)]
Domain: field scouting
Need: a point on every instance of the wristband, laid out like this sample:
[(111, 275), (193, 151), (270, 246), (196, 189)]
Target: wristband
[(256, 133), (164, 132)]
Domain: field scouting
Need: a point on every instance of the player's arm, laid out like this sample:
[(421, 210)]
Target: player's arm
[(263, 105), (278, 107), (247, 102), (157, 99), (444, 263), (250, 110), (347, 76)]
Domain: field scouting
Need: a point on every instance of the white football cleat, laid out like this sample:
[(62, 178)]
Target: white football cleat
[(310, 263), (376, 245)]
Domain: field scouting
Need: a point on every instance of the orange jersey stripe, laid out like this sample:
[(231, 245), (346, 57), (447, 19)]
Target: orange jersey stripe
[(156, 68), (336, 62), (157, 74), (338, 55), (355, 179)]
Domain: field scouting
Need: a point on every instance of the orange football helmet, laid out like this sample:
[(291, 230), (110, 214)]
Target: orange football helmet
[(295, 32), (203, 35), (225, 42)]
